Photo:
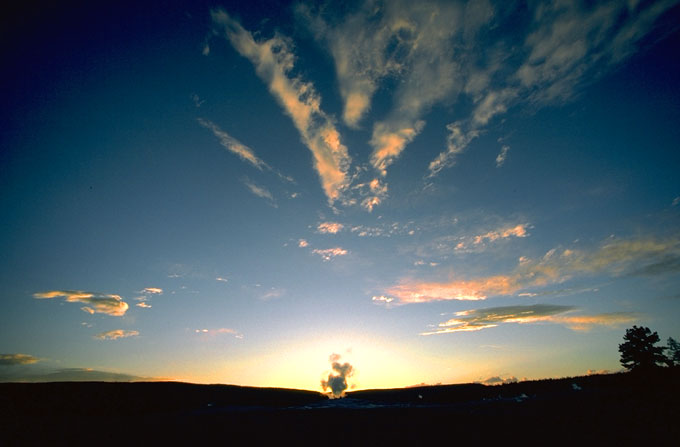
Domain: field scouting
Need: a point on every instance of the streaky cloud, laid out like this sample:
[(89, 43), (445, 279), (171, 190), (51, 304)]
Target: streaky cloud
[(233, 145), (152, 290), (116, 334), (94, 302), (566, 46), (220, 331), (260, 191), (17, 359), (274, 60), (479, 319), (329, 253), (644, 255)]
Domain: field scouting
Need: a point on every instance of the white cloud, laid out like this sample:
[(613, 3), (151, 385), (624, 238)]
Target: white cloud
[(274, 60), (198, 102), (329, 253), (502, 155), (219, 331)]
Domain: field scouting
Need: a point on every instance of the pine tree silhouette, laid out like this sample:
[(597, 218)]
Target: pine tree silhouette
[(639, 352)]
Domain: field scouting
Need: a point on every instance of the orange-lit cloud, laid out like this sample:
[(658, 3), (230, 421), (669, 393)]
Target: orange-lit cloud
[(475, 320), (329, 227), (410, 41), (478, 242), (421, 292), (371, 202), (329, 253), (94, 302), (152, 290), (17, 359), (389, 140), (116, 334), (643, 256), (302, 243), (516, 231), (273, 61), (143, 305)]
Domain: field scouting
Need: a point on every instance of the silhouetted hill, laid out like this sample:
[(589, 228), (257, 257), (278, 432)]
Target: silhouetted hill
[(609, 409)]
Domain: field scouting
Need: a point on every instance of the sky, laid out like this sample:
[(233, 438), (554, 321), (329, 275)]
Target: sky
[(321, 195)]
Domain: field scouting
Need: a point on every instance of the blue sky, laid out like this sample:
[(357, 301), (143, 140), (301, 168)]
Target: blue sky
[(437, 192)]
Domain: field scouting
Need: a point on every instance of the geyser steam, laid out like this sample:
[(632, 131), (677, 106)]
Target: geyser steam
[(337, 382)]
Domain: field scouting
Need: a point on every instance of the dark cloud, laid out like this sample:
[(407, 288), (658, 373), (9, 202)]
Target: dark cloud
[(497, 380), (16, 359), (68, 375)]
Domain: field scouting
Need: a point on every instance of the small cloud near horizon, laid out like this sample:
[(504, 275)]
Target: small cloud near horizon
[(116, 334), (17, 359)]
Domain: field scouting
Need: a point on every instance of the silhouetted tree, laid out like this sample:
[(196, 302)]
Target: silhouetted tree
[(639, 352), (673, 357)]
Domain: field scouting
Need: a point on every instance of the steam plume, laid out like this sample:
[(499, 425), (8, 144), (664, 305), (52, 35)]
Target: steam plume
[(337, 383)]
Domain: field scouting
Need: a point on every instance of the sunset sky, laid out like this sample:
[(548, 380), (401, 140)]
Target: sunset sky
[(241, 192)]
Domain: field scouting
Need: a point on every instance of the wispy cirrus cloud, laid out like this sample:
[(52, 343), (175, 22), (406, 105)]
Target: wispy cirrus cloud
[(442, 50), (478, 319), (480, 240), (116, 334), (564, 46), (233, 145), (412, 41), (260, 191), (95, 302), (329, 253), (274, 61), (614, 258), (17, 359)]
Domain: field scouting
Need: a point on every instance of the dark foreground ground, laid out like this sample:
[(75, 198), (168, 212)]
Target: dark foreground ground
[(616, 409)]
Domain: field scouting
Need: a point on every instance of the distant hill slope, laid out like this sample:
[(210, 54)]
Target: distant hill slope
[(610, 409)]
